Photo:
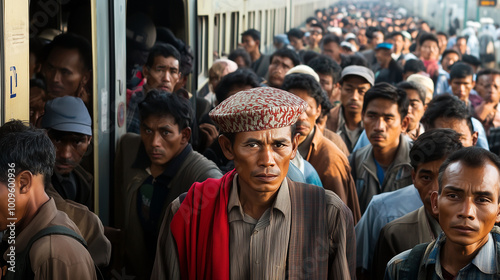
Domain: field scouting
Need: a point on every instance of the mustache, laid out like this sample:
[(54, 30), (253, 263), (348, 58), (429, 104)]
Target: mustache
[(304, 124), (375, 134), (67, 162), (268, 172)]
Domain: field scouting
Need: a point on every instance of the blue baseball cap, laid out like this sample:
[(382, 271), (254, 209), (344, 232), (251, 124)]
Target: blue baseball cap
[(384, 46), (68, 114)]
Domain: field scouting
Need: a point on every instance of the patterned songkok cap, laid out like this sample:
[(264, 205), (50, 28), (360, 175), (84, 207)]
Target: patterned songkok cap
[(258, 108)]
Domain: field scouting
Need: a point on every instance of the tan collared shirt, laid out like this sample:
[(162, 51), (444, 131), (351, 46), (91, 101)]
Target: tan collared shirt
[(258, 248)]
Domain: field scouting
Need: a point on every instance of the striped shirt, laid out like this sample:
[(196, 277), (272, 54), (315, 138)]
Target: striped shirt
[(258, 248), (482, 267)]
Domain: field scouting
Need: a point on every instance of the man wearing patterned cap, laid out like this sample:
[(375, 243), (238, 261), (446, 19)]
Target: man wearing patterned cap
[(253, 223)]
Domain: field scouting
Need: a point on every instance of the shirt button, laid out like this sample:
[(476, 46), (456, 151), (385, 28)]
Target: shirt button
[(257, 262)]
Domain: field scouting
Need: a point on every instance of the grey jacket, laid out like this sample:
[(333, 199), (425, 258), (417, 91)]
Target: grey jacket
[(364, 172)]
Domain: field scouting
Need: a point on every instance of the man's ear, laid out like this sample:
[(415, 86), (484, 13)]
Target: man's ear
[(497, 220), (86, 77), (226, 146), (145, 71), (434, 203), (25, 181), (186, 135), (405, 123), (475, 136)]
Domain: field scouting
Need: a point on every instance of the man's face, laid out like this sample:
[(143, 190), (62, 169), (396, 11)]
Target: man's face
[(240, 61), (443, 42), (249, 44), (488, 87), (383, 57), (65, 72), (261, 158), (164, 74), (326, 82), (361, 36), (467, 138), (296, 43), (315, 35), (449, 60), (352, 93), (332, 50), (425, 179), (162, 139), (383, 124), (70, 149), (378, 38), (461, 87), (462, 45), (468, 204), (429, 50), (398, 44), (306, 121), (277, 70), (416, 109)]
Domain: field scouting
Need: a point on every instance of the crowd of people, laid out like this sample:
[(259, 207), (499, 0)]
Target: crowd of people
[(366, 145)]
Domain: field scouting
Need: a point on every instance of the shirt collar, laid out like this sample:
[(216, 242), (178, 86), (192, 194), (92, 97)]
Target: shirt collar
[(281, 203), (485, 259)]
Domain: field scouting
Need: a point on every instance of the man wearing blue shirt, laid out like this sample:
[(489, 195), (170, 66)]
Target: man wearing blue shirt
[(384, 165), (467, 205)]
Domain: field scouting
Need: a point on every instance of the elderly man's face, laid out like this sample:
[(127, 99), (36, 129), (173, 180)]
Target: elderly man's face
[(488, 87), (70, 149), (468, 203), (261, 158)]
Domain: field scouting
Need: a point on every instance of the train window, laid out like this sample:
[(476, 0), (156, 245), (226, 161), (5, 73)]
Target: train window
[(234, 30), (259, 23), (216, 35), (223, 41), (268, 34), (202, 46)]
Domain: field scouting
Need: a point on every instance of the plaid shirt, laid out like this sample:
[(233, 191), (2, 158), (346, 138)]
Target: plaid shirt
[(483, 266), (133, 118)]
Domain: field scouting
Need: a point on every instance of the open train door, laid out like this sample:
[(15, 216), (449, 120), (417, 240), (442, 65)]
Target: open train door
[(14, 54)]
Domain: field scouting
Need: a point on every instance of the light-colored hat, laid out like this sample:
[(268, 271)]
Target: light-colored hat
[(424, 81), (361, 71), (303, 69), (258, 109)]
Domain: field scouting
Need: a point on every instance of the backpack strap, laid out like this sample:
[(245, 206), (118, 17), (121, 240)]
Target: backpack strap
[(23, 267), (411, 265)]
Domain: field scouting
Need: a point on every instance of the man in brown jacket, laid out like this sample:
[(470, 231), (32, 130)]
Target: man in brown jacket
[(253, 222), (330, 163), (152, 169), (27, 158)]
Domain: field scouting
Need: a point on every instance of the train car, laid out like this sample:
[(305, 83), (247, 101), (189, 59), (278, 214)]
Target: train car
[(211, 28)]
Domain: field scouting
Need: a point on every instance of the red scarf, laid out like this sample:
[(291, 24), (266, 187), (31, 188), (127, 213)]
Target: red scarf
[(202, 235)]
